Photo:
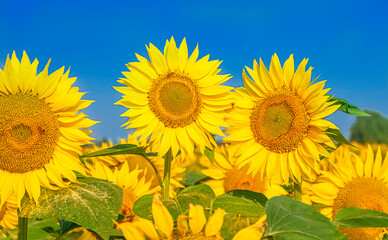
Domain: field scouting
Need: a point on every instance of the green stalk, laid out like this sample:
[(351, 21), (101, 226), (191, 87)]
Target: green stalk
[(298, 191), (167, 173), (22, 228)]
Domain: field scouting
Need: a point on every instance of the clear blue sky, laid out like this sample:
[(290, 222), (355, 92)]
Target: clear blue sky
[(346, 41)]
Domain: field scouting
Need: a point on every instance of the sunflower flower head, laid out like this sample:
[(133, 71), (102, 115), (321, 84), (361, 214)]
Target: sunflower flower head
[(41, 129), (227, 175), (174, 100), (354, 182), (277, 120)]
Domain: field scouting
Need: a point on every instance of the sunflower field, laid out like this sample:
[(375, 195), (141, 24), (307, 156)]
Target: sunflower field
[(203, 160)]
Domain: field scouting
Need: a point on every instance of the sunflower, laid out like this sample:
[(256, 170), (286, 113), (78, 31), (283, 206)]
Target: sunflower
[(40, 129), (9, 214), (354, 182), (135, 161), (277, 121), (133, 186), (361, 148), (193, 226), (228, 176), (175, 102)]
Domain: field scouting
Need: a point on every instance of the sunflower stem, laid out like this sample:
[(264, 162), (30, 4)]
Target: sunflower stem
[(22, 228), (298, 191), (167, 173)]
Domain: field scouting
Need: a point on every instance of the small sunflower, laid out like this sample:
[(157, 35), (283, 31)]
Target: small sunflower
[(175, 101), (135, 161), (9, 214), (193, 226), (361, 148), (133, 186), (277, 121), (41, 129), (354, 182), (228, 176)]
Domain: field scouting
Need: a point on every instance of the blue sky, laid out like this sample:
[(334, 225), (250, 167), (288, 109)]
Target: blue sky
[(346, 42)]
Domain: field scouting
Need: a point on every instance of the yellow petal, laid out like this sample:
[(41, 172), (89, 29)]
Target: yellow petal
[(183, 55), (182, 224), (131, 232), (162, 218), (172, 55), (215, 222), (197, 218), (158, 59)]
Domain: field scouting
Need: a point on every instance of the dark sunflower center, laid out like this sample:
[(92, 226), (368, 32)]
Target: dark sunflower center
[(21, 133), (29, 131), (175, 100), (280, 122), (176, 97), (277, 120)]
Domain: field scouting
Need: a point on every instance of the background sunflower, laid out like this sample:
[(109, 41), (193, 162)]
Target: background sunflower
[(354, 182)]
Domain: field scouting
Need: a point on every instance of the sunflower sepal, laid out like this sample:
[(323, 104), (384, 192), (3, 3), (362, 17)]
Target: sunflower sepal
[(337, 137), (87, 199), (346, 107), (209, 153)]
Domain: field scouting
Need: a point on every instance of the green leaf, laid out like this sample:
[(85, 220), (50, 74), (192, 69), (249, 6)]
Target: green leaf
[(290, 219), (191, 178), (337, 136), (353, 217), (246, 203), (254, 196), (346, 107), (117, 150), (92, 203), (200, 194), (209, 153), (143, 207)]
